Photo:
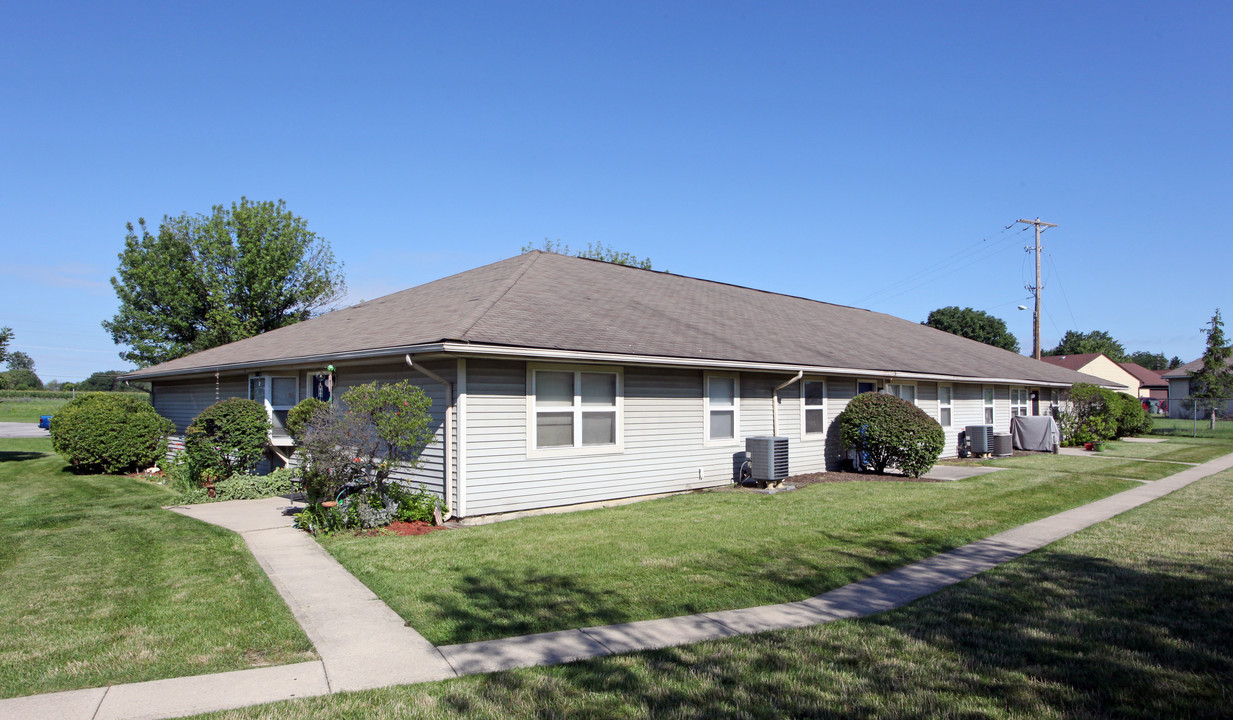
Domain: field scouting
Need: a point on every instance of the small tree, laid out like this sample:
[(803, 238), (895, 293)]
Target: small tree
[(1213, 381), (6, 336), (228, 437), (376, 429), (891, 431)]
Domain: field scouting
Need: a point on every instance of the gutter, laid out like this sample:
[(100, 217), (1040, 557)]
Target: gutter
[(775, 400), (512, 352), (448, 460)]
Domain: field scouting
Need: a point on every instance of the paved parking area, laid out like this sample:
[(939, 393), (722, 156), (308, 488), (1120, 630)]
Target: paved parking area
[(22, 430)]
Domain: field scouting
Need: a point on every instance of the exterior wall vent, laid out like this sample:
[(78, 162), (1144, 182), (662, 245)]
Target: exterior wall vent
[(768, 458), (981, 438)]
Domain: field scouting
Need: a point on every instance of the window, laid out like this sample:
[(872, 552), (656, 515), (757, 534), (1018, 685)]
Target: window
[(722, 415), (907, 392), (1018, 401), (946, 401), (278, 394), (814, 397), (988, 406), (864, 386), (575, 408)]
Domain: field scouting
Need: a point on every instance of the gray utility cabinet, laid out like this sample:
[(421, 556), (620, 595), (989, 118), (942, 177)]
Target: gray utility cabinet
[(768, 457)]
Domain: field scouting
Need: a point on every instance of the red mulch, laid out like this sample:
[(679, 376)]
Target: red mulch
[(399, 527)]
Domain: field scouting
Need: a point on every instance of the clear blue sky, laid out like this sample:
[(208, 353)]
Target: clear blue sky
[(830, 150)]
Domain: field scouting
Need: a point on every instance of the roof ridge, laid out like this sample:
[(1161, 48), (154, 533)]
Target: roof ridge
[(535, 255)]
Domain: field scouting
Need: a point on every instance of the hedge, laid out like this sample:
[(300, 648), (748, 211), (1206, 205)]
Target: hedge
[(110, 433)]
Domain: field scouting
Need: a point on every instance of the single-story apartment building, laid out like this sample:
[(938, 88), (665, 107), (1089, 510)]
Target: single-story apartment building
[(559, 380)]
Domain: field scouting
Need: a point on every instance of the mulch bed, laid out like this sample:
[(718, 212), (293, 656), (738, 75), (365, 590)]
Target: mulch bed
[(399, 527)]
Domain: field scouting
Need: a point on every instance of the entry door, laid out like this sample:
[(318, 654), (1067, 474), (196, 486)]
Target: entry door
[(1035, 402)]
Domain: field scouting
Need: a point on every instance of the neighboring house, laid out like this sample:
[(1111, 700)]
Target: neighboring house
[(562, 380), (1151, 385), (1180, 405), (1099, 365)]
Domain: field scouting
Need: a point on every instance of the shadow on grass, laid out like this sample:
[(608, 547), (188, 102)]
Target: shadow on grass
[(1053, 635), (20, 455)]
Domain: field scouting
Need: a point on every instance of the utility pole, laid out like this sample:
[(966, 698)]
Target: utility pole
[(1036, 288)]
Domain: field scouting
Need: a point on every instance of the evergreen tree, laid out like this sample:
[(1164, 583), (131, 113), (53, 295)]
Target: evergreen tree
[(1214, 379)]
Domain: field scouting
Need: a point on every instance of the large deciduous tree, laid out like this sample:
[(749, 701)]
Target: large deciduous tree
[(1213, 380), (1096, 341), (594, 251), (18, 360), (207, 280), (975, 325), (1149, 360)]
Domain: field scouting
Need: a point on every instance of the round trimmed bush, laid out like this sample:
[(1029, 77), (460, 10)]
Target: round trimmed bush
[(302, 414), (891, 431), (110, 433), (228, 437)]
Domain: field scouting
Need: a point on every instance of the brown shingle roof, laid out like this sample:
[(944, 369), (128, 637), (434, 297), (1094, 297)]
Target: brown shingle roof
[(1185, 370), (549, 301), (1146, 377)]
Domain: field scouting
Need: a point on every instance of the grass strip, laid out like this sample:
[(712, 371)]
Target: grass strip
[(28, 409), (102, 586), (1127, 619), (702, 552)]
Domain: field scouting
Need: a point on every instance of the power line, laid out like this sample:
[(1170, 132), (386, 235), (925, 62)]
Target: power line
[(930, 274)]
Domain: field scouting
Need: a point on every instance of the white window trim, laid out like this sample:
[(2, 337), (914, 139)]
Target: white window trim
[(824, 407), (949, 405), (886, 388), (706, 410), (1024, 403), (877, 385), (266, 401), (577, 449), (992, 405)]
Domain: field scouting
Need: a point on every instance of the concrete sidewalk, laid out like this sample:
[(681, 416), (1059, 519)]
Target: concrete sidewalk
[(364, 644)]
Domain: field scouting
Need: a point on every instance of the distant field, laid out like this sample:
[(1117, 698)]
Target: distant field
[(28, 409)]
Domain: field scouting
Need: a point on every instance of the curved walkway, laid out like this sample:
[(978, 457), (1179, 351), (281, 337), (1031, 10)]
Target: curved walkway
[(374, 647)]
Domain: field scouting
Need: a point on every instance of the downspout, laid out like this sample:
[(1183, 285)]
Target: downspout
[(775, 400), (448, 460)]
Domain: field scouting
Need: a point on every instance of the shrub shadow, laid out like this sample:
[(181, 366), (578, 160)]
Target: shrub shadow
[(20, 455)]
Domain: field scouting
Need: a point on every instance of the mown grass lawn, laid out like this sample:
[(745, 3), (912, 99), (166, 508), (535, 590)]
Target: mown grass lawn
[(1192, 428), (102, 586), (1128, 619), (705, 551)]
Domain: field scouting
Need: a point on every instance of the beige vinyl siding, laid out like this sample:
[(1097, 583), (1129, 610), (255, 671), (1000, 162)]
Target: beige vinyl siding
[(181, 401), (662, 431)]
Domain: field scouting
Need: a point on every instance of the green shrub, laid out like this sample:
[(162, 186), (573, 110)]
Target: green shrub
[(414, 506), (110, 433), (891, 431), (227, 438), (1129, 415), (1096, 414), (299, 416)]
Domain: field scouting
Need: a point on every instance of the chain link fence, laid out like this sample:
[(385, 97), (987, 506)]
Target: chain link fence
[(1198, 417)]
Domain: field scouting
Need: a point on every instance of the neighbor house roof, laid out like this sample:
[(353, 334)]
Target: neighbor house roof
[(1071, 362), (542, 302), (1185, 370), (1146, 377)]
